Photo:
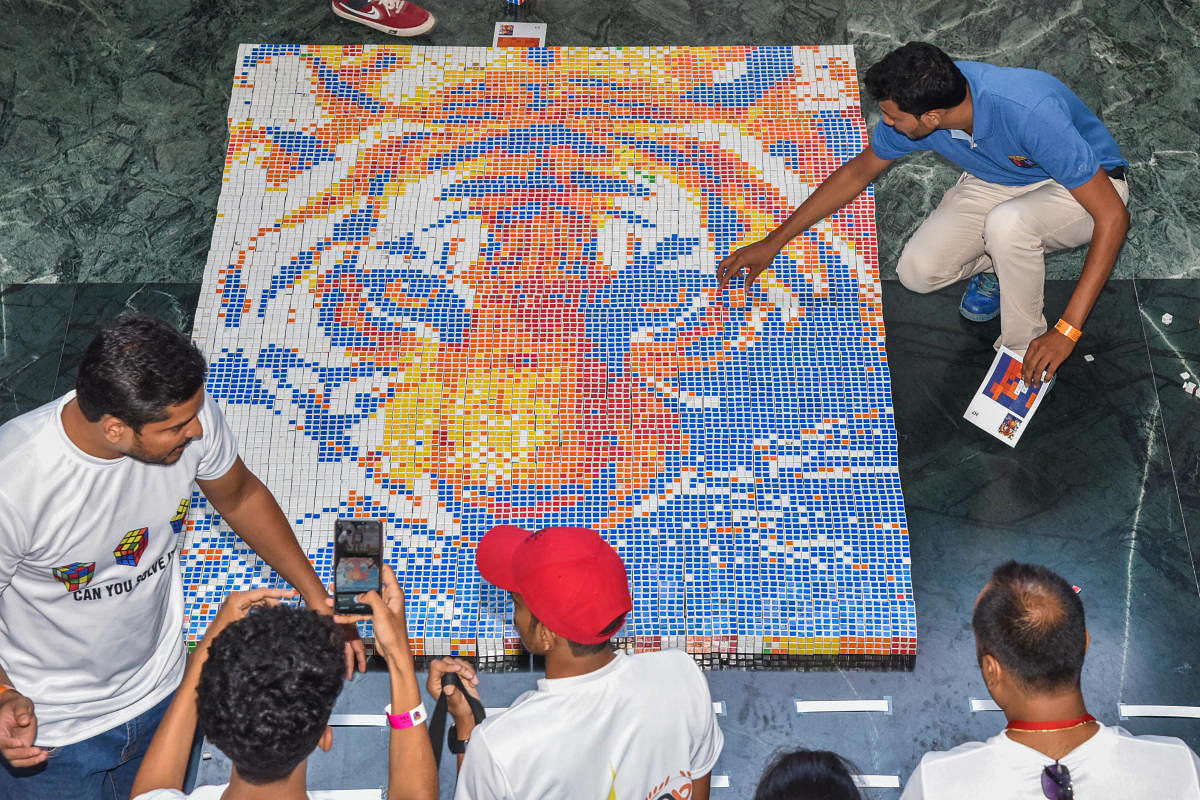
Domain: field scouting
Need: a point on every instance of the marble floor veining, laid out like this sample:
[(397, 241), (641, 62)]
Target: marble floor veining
[(112, 114)]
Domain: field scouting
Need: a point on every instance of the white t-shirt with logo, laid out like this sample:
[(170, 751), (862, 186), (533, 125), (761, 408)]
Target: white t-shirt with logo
[(637, 729), (91, 600), (1112, 764)]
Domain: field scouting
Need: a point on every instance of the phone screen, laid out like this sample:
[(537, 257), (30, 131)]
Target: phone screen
[(357, 561)]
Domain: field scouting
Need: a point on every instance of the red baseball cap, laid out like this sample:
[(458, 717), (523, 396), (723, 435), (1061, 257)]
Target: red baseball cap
[(570, 578)]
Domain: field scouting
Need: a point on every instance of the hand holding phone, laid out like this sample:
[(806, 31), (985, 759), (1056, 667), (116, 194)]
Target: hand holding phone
[(357, 562)]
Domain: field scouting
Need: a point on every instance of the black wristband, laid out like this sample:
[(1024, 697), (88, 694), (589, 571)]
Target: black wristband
[(457, 746)]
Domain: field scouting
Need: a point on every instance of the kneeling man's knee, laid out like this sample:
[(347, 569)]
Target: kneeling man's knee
[(917, 272)]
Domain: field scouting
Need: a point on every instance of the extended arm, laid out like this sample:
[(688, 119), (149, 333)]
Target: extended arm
[(1048, 351), (846, 183), (412, 773), (252, 511)]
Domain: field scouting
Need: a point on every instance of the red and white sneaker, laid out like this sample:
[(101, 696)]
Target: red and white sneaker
[(397, 17)]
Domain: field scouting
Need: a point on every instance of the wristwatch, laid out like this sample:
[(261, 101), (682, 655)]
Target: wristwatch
[(457, 746)]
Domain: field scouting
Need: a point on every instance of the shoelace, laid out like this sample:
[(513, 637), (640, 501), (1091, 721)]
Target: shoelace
[(394, 6), (987, 284)]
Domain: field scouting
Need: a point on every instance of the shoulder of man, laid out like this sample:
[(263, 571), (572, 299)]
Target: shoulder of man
[(20, 433), (1151, 741), (674, 671), (25, 441), (941, 773), (218, 445), (1013, 87)]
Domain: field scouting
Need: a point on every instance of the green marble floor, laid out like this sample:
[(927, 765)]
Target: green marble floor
[(112, 114)]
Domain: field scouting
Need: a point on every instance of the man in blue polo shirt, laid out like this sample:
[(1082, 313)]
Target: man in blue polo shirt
[(1041, 173)]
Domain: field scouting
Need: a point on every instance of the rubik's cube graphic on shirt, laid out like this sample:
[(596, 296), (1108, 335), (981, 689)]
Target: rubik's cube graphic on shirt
[(177, 521), (76, 575), (133, 544)]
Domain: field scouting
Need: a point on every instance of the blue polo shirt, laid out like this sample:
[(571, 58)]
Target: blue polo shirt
[(1027, 126)]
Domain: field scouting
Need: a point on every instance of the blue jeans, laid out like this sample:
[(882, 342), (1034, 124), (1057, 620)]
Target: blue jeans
[(99, 768)]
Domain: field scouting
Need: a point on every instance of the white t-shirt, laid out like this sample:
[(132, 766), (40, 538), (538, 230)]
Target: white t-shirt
[(213, 793), (637, 728), (91, 600), (1112, 764)]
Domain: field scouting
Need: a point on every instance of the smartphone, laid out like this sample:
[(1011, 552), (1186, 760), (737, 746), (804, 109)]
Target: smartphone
[(357, 562)]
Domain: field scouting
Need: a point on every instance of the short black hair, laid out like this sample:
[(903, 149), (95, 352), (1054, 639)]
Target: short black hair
[(808, 775), (1031, 620), (268, 687), (581, 650), (135, 368), (917, 77)]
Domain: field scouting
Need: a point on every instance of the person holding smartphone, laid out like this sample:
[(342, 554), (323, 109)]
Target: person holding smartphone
[(263, 683), (95, 489)]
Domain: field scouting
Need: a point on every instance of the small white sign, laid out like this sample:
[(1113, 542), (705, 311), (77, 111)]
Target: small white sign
[(1005, 403), (519, 34)]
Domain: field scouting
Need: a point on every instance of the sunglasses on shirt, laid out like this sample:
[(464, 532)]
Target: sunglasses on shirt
[(1056, 782)]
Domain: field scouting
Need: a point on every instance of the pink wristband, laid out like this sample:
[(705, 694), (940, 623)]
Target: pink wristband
[(408, 719)]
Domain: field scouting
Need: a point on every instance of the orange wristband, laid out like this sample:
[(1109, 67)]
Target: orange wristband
[(1068, 330)]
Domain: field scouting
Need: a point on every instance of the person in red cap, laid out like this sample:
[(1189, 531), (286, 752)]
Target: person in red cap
[(601, 723)]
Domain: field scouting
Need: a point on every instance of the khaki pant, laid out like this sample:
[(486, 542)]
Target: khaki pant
[(982, 227)]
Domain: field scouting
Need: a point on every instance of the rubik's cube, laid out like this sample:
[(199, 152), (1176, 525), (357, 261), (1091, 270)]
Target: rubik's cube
[(180, 517), (132, 545), (75, 576)]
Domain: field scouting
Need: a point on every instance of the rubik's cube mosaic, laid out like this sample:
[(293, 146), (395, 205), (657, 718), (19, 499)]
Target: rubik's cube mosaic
[(455, 287)]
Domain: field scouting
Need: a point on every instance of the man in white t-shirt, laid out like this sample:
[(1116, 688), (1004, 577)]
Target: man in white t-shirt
[(94, 491), (600, 724), (262, 684), (1030, 639)]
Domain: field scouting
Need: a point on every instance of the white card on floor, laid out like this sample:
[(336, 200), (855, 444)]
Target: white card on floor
[(519, 34), (1004, 403)]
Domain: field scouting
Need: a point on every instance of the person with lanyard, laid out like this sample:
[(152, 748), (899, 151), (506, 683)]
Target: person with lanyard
[(601, 723), (1040, 173), (1030, 640)]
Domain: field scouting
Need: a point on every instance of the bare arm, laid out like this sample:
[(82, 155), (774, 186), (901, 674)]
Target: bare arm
[(412, 773), (1048, 351), (700, 787), (252, 511), (846, 183)]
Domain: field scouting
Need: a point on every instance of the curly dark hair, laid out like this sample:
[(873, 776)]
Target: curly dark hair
[(1031, 621), (268, 687), (135, 368), (917, 77)]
